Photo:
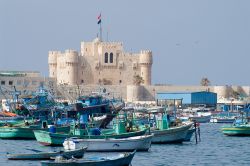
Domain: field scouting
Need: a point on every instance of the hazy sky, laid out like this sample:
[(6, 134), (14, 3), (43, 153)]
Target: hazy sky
[(190, 39)]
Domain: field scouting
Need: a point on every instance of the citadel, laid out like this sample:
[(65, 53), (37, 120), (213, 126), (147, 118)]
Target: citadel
[(106, 65), (98, 63)]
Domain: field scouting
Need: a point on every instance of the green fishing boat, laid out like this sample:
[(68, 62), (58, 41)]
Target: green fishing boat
[(236, 130), (25, 132), (241, 126), (57, 139), (11, 122)]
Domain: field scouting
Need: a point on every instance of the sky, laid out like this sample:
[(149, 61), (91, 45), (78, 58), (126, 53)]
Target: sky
[(190, 39)]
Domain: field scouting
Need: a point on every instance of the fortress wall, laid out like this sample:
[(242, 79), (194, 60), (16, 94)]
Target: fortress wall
[(132, 93), (117, 91), (148, 93)]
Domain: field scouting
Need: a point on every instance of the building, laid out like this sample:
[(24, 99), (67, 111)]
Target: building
[(100, 63), (208, 99), (25, 82)]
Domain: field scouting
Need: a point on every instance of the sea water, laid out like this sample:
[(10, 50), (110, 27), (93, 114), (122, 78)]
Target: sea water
[(214, 149)]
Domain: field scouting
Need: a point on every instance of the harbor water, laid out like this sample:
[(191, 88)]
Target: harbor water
[(214, 149)]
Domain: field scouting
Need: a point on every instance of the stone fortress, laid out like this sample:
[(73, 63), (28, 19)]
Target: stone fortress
[(100, 63), (106, 64)]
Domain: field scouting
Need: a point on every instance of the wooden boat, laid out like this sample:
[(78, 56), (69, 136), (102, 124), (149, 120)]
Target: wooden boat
[(123, 159), (138, 143), (57, 139), (236, 130), (175, 134), (78, 153), (25, 132)]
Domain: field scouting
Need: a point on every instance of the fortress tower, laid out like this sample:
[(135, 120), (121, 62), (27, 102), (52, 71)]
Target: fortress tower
[(146, 61), (52, 59), (71, 60)]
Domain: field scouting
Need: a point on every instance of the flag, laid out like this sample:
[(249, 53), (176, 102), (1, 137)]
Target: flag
[(99, 19)]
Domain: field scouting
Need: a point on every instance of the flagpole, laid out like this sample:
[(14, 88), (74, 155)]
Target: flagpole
[(100, 22), (101, 31)]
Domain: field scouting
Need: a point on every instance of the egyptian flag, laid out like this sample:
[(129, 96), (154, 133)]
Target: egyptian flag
[(99, 19)]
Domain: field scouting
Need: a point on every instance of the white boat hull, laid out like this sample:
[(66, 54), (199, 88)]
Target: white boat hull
[(222, 120), (139, 143), (171, 135)]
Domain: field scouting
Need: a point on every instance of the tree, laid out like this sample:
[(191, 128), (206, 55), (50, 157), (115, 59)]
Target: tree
[(205, 81), (138, 80), (106, 81)]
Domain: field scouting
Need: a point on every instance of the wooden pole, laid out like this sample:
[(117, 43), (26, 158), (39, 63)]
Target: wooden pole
[(199, 133), (195, 127)]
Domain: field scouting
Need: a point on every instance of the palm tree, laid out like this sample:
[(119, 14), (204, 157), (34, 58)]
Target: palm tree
[(205, 81), (138, 80)]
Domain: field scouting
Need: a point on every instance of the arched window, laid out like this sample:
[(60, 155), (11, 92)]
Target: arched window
[(106, 58), (111, 58)]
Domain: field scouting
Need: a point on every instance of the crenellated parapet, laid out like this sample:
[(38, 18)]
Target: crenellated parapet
[(146, 57), (52, 58)]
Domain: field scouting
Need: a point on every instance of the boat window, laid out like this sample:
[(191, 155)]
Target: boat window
[(2, 82)]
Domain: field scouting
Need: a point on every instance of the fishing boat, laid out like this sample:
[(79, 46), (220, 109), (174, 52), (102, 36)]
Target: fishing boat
[(165, 128), (236, 130), (26, 132), (138, 143), (175, 134), (224, 117), (200, 117), (123, 159), (100, 109), (189, 134), (57, 139), (82, 131), (240, 127), (13, 121), (77, 153)]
